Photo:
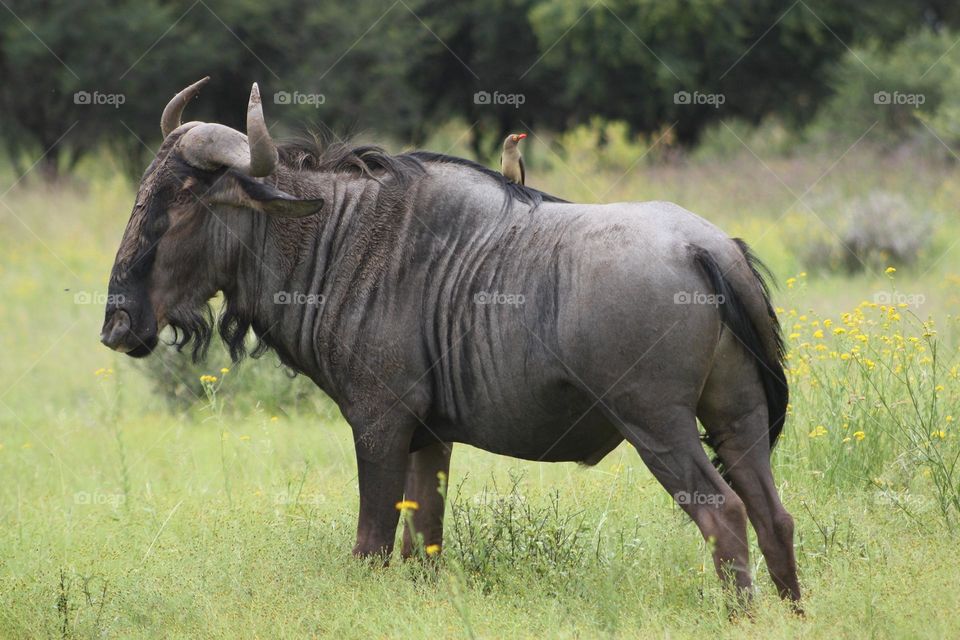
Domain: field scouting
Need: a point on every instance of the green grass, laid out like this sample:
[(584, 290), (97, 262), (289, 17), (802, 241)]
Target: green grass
[(122, 516)]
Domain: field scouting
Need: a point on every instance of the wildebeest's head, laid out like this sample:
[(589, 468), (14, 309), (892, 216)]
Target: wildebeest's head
[(203, 173)]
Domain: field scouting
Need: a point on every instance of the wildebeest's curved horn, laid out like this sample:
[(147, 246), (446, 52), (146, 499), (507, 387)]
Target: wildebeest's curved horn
[(170, 119), (210, 145), (263, 153)]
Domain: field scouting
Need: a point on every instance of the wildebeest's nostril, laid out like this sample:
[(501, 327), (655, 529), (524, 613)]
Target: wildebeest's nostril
[(116, 329)]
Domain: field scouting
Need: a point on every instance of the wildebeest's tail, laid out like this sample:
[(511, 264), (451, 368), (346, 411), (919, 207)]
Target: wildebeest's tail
[(756, 327)]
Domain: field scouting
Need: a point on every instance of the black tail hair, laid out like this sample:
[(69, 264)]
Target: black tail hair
[(769, 353)]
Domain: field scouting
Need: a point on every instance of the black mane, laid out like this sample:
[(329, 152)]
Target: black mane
[(405, 168), (512, 190), (338, 157)]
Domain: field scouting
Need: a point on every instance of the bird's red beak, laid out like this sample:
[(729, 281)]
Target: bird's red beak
[(521, 136)]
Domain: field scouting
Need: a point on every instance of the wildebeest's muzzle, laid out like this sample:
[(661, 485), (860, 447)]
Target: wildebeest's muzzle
[(129, 326)]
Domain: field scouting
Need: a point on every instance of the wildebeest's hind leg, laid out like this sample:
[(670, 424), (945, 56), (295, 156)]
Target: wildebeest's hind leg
[(733, 410), (668, 442), (422, 487)]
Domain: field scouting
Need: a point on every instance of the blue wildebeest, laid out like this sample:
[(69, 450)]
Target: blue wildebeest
[(435, 303)]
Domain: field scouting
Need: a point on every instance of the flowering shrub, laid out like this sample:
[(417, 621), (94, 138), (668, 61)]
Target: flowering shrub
[(875, 394)]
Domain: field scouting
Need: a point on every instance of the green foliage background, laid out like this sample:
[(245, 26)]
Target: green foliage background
[(402, 69)]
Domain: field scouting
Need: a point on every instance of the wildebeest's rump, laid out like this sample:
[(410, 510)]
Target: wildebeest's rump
[(437, 303)]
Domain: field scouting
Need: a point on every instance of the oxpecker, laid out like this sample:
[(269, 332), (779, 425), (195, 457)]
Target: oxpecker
[(511, 162)]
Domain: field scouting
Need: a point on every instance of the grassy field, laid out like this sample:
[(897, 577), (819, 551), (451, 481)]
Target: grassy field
[(122, 515)]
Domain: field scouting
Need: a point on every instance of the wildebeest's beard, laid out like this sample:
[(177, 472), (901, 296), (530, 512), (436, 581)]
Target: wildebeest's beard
[(194, 329)]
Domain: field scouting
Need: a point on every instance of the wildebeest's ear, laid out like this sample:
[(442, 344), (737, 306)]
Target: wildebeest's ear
[(275, 202)]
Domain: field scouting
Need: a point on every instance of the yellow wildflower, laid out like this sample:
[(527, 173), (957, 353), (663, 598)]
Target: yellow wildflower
[(859, 435), (224, 371), (818, 431), (208, 379), (432, 549), (818, 333), (407, 505), (890, 270), (939, 434)]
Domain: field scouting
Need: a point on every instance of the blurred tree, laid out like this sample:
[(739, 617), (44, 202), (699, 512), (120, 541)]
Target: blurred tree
[(892, 91), (78, 75), (63, 63), (82, 75), (482, 63), (628, 59)]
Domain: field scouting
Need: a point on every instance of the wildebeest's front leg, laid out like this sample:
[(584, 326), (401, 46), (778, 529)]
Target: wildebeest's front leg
[(382, 458), (384, 423), (381, 487), (422, 487)]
